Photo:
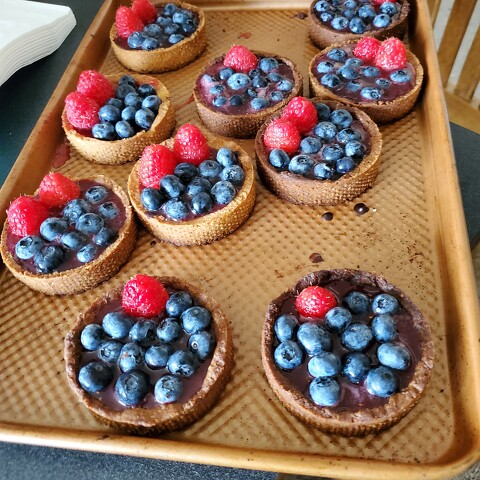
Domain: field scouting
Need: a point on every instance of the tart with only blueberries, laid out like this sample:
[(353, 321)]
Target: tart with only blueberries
[(70, 236), (318, 152), (156, 37), (237, 91), (151, 356), (338, 21), (111, 119), (192, 189), (346, 351), (382, 79)]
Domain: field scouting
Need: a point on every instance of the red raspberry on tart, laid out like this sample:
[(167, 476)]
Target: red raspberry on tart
[(156, 162), (56, 190), (315, 302), (190, 145), (144, 296)]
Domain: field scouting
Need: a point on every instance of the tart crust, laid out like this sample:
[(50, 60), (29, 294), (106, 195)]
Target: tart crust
[(164, 59), (245, 125), (209, 227), (90, 274), (305, 191), (168, 417), (365, 421), (116, 152), (380, 112)]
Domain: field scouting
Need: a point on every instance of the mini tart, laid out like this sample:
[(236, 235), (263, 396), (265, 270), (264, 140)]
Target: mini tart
[(342, 421), (211, 226), (90, 274), (378, 111), (167, 417), (323, 36), (245, 125), (164, 59), (116, 152), (305, 191)]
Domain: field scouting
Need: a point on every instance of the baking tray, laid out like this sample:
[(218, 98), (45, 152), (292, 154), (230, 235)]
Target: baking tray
[(414, 234)]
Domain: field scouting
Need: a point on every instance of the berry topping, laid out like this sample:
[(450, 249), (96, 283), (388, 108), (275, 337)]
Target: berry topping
[(127, 22), (380, 2), (366, 48), (144, 10), (25, 215), (190, 145), (283, 135), (301, 113), (241, 59), (144, 296), (391, 55), (315, 302), (57, 189), (156, 162), (95, 86), (82, 112)]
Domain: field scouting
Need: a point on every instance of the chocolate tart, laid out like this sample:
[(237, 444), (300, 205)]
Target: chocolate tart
[(345, 420), (323, 36), (164, 59), (116, 152), (243, 125), (310, 191), (211, 226), (166, 417), (90, 274), (379, 111)]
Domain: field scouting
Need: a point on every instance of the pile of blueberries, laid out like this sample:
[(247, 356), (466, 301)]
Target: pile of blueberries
[(367, 355), (332, 149), (356, 16), (133, 109), (140, 353), (260, 88), (194, 191), (173, 25), (77, 236)]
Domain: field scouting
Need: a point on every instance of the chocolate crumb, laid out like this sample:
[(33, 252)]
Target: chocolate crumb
[(360, 209), (301, 15), (315, 258), (327, 216), (153, 243)]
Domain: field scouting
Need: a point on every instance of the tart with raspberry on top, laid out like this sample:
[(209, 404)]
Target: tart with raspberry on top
[(150, 356), (70, 236), (192, 189), (237, 91), (111, 119), (381, 78)]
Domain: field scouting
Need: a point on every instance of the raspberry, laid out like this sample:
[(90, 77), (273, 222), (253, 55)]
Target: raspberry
[(301, 113), (25, 215), (156, 162), (366, 48), (56, 190), (145, 11), (315, 302), (127, 22), (190, 145), (82, 112), (282, 134), (241, 59), (391, 55), (144, 296), (379, 2), (95, 86)]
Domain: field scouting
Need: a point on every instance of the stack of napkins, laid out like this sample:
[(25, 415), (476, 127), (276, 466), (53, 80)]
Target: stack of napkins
[(30, 31)]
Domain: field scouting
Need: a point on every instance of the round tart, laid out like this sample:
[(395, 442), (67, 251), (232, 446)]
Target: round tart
[(73, 246), (331, 22), (234, 100), (334, 160), (385, 94), (179, 355), (114, 150), (166, 56), (346, 352)]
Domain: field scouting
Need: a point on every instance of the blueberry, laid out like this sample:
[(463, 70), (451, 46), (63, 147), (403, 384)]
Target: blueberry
[(383, 83), (181, 16), (132, 99), (349, 14), (393, 356), (300, 164), (350, 4), (226, 73), (208, 79), (322, 6), (354, 62), (325, 392), (354, 86), (168, 389), (96, 194), (128, 114), (217, 89), (357, 25), (197, 185), (370, 72), (183, 363), (259, 82), (238, 81), (89, 223), (87, 253), (268, 64), (355, 366), (384, 328), (314, 338), (357, 302), (344, 165), (157, 355), (127, 80), (326, 17), (152, 102), (254, 72), (177, 303), (109, 113), (381, 382), (144, 118), (323, 111), (152, 30), (400, 76), (195, 319), (202, 343), (236, 100), (259, 103), (116, 102), (233, 174), (124, 129), (109, 351), (171, 186), (357, 337), (274, 77), (366, 12), (92, 336), (169, 9), (323, 171), (132, 356), (176, 209), (347, 73), (325, 130), (163, 21), (340, 23), (223, 192), (171, 28), (330, 80), (150, 43), (341, 118), (324, 364), (201, 203), (124, 89), (52, 227), (288, 355), (108, 210), (371, 93), (185, 172), (279, 158), (219, 101), (384, 303), (332, 153), (143, 332), (152, 199), (310, 145), (347, 135), (49, 258), (252, 93), (382, 21), (276, 96), (285, 85), (95, 377), (209, 169), (132, 387), (285, 327), (145, 90), (73, 240), (389, 8), (169, 330), (136, 39), (117, 324), (337, 319), (27, 247), (354, 149)]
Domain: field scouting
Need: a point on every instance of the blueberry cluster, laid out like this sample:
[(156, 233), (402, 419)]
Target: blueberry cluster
[(133, 109), (194, 191), (75, 237), (142, 355), (356, 343), (356, 16), (173, 24), (332, 149)]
